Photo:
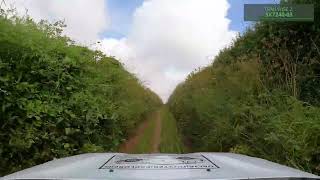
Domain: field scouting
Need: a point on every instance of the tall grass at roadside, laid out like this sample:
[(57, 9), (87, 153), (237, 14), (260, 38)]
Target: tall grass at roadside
[(170, 137)]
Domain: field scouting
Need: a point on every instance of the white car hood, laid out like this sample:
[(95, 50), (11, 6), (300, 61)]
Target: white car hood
[(159, 166)]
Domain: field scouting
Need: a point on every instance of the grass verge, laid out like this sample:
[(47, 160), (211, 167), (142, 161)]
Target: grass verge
[(170, 138)]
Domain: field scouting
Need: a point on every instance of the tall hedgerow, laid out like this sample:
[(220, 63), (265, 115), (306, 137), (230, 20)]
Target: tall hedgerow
[(259, 97), (59, 99)]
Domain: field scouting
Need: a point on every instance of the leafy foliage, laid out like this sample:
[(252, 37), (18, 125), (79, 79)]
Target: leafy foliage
[(58, 99), (259, 97)]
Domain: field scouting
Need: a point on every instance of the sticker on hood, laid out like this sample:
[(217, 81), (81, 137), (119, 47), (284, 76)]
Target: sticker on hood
[(159, 161)]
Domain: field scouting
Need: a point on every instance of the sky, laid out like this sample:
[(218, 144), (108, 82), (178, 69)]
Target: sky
[(160, 41)]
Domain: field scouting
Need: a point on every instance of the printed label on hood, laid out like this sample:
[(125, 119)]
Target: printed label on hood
[(159, 161)]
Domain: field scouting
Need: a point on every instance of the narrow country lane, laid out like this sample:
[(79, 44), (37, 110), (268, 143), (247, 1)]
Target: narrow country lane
[(131, 144), (158, 133)]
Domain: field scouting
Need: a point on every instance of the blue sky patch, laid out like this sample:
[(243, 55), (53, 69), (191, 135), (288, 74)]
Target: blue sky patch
[(121, 14)]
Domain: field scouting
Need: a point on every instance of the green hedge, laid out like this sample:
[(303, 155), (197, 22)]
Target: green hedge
[(58, 99), (260, 96), (227, 109)]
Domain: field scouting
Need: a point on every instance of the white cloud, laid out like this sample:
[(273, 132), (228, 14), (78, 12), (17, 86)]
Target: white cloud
[(170, 38), (85, 19), (167, 40)]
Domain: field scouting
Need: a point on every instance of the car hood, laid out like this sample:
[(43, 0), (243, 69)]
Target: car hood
[(160, 166)]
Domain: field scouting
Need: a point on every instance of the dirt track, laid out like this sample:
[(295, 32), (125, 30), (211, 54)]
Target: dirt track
[(130, 145)]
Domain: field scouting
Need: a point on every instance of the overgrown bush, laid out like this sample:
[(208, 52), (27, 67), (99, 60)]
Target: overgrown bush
[(259, 97), (227, 108), (58, 99)]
